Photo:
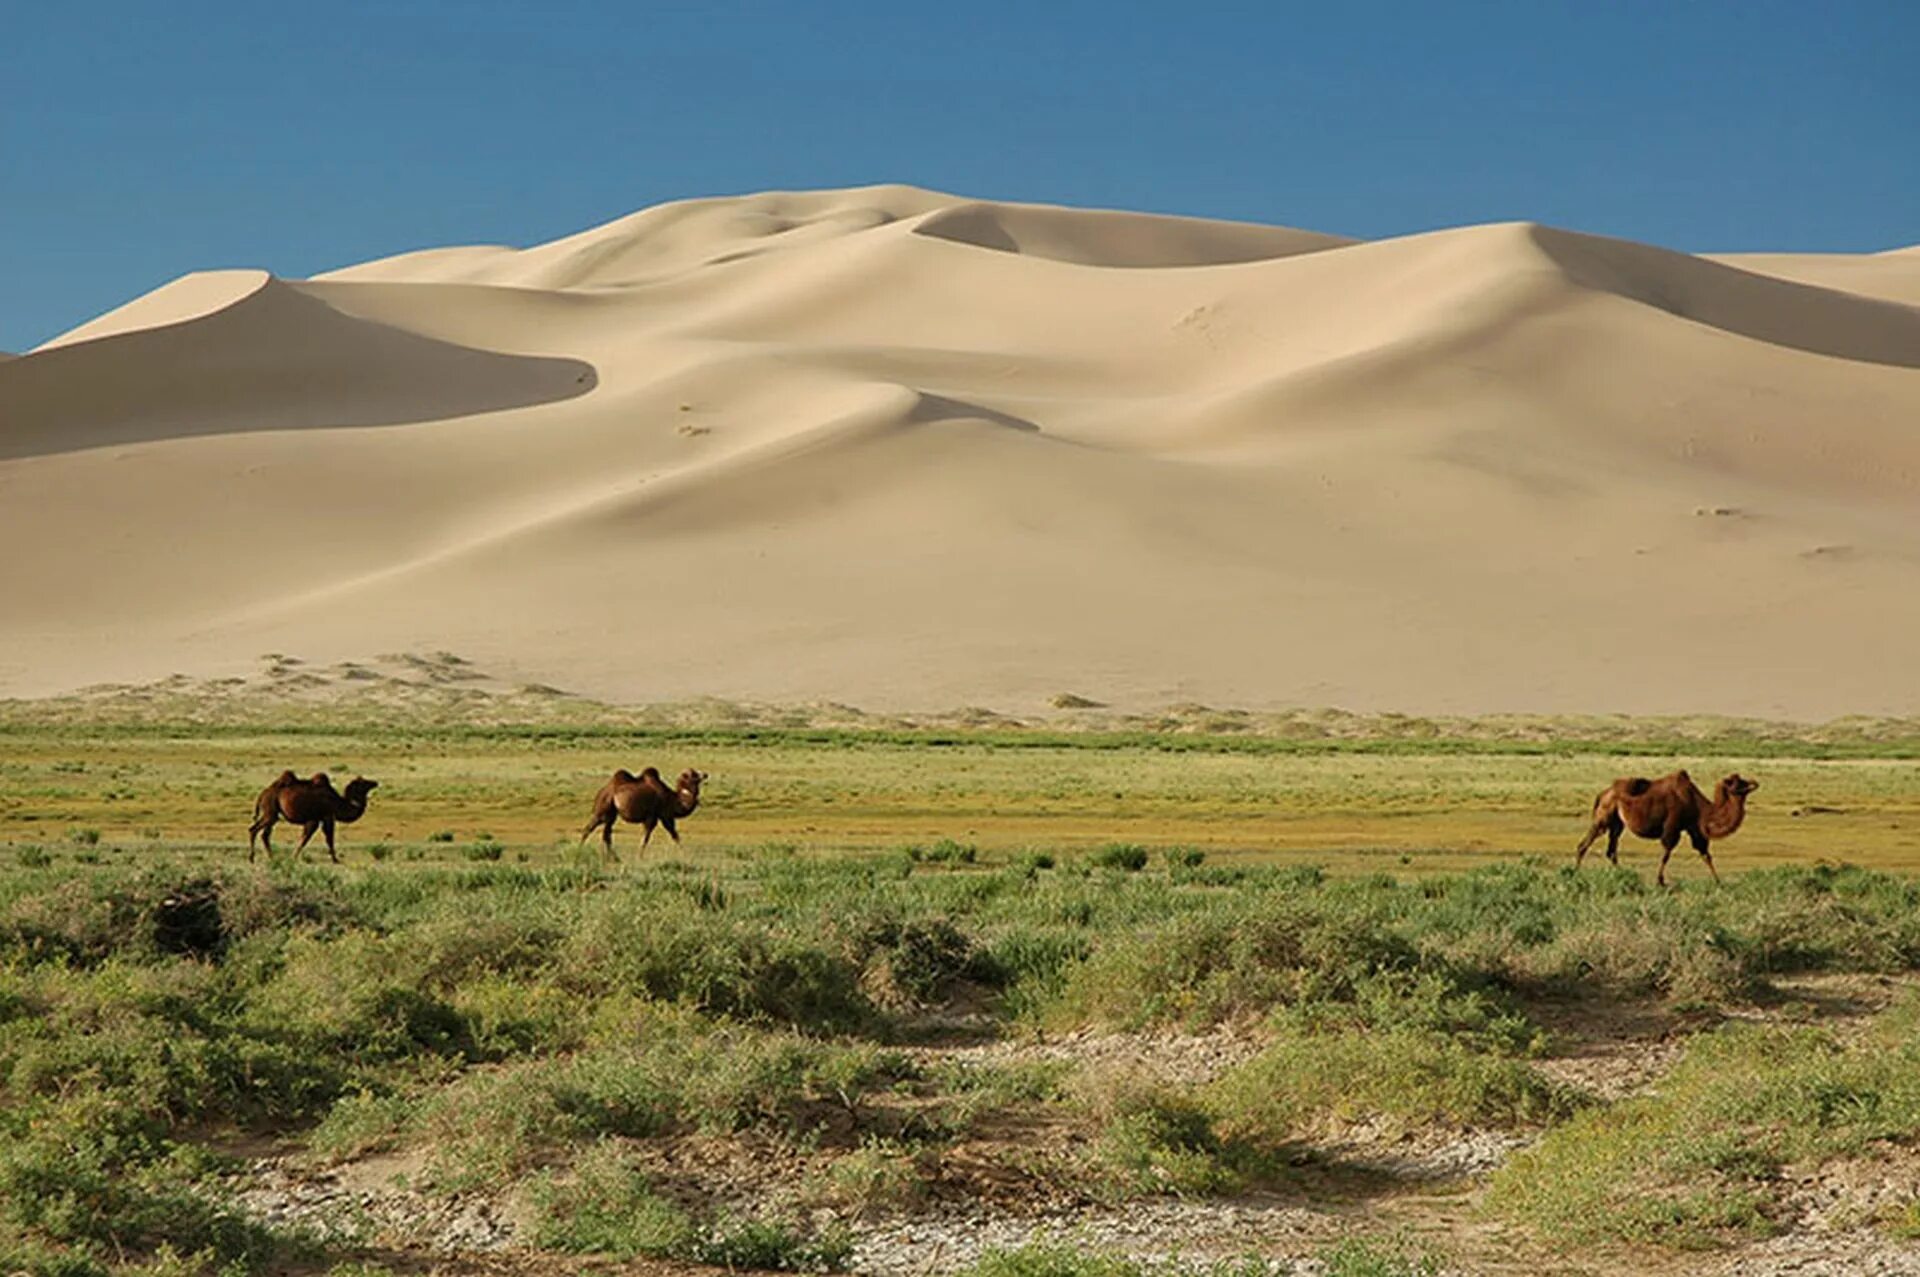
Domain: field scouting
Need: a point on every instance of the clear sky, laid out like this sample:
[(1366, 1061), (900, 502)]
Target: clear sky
[(142, 140)]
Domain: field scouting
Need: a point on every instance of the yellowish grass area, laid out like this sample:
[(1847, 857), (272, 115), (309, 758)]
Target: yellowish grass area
[(1412, 811)]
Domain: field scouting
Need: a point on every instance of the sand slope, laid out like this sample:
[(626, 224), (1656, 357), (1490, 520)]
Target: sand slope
[(903, 449)]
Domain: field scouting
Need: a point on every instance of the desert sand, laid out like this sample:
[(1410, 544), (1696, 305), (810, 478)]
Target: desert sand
[(903, 449)]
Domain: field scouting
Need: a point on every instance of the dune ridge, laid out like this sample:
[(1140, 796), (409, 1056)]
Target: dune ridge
[(909, 450)]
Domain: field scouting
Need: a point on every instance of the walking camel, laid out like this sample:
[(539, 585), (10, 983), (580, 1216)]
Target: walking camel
[(643, 800), (312, 804), (1665, 809)]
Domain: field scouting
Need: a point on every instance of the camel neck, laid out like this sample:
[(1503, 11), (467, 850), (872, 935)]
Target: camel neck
[(1727, 812)]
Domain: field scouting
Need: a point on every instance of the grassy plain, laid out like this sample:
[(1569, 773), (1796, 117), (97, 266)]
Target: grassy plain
[(1364, 804), (898, 974)]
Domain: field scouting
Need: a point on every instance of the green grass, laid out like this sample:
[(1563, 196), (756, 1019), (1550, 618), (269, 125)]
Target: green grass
[(1393, 801), (1699, 1162), (1411, 1077), (605, 1206), (531, 1020)]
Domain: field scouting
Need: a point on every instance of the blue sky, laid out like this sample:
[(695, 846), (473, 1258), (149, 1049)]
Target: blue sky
[(139, 141)]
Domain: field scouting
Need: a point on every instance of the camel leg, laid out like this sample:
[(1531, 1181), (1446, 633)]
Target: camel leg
[(1700, 844), (1580, 852), (647, 837), (331, 853), (265, 829), (1667, 843), (666, 822), (1615, 826), (306, 834)]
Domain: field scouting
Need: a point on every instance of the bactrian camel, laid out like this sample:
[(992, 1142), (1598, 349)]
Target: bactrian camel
[(643, 800), (312, 804), (1665, 809)]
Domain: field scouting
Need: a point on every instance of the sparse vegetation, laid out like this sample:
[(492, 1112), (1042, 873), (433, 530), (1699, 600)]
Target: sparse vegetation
[(551, 1027), (1702, 1158)]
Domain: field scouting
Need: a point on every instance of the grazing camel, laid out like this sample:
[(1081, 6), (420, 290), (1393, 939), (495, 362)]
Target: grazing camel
[(1665, 809), (311, 804), (643, 800)]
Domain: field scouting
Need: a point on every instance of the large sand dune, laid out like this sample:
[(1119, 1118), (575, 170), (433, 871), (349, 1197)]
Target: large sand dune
[(907, 450)]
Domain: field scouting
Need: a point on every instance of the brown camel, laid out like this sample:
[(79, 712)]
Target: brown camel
[(643, 800), (311, 804), (1665, 809)]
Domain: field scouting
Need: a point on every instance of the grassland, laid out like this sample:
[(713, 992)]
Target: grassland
[(1346, 804), (922, 974)]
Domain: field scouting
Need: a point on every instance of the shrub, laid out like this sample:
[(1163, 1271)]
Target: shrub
[(912, 963), (881, 1175), (1700, 1160), (1120, 855), (607, 1207), (1305, 1080), (945, 852), (1378, 1257), (1154, 1139)]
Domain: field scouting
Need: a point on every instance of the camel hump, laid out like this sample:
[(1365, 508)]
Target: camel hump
[(286, 778), (650, 773), (622, 776), (1682, 776)]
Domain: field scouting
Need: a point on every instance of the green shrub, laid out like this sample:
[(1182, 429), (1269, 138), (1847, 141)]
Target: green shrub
[(1155, 1139), (881, 1175), (1378, 1257), (607, 1207), (945, 852), (1120, 855), (1700, 1160), (1306, 1080)]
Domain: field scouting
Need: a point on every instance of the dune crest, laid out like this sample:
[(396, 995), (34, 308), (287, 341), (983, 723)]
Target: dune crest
[(1099, 237), (906, 449), (268, 357)]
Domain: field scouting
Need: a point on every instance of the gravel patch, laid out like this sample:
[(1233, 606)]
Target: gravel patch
[(335, 1207), (1150, 1230)]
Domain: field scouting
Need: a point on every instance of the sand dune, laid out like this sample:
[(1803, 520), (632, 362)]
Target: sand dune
[(906, 450), (248, 354)]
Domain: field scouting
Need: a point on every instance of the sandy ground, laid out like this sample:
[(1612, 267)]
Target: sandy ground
[(906, 450)]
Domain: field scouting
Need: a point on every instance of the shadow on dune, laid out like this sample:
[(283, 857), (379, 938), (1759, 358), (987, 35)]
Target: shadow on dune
[(1104, 237), (276, 359), (1820, 321)]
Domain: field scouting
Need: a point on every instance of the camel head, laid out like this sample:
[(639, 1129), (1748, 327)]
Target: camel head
[(359, 787), (690, 781), (1738, 786)]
